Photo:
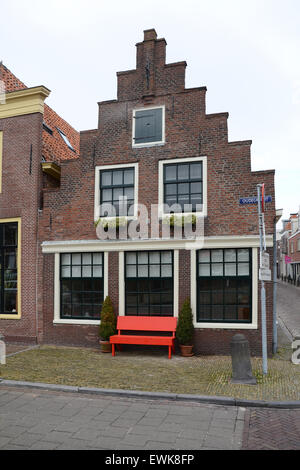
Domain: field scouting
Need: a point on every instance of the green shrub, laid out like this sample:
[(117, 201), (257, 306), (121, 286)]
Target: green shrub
[(108, 323), (185, 326)]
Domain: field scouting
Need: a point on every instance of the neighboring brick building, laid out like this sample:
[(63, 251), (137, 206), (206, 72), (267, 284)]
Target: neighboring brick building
[(155, 144), (30, 148)]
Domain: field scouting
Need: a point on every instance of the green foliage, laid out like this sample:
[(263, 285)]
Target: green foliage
[(185, 326), (180, 220), (111, 223), (108, 323)]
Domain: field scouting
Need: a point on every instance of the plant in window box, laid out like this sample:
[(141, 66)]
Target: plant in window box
[(180, 221), (108, 325), (185, 329)]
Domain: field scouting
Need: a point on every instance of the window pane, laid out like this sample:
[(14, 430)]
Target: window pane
[(217, 312), (166, 257), (217, 256), (106, 195), (183, 172), (230, 269), (204, 270), (166, 271), (97, 258), (86, 258), (243, 255), (204, 297), (142, 258), (154, 270), (243, 269), (131, 258), (171, 189), (129, 176), (230, 255), (117, 193), (106, 179), (142, 270), (170, 172), (76, 271), (66, 271), (244, 313), (196, 188), (76, 258), (204, 256), (196, 171), (183, 188), (10, 234), (154, 257), (217, 269), (128, 193), (230, 312), (86, 271), (131, 271), (97, 271), (117, 177), (65, 259)]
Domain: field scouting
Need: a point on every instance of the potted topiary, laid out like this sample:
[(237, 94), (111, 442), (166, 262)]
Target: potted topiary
[(107, 326), (185, 329)]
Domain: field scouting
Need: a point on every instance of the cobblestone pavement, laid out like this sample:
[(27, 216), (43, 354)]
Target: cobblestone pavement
[(270, 429), (288, 308), (50, 420)]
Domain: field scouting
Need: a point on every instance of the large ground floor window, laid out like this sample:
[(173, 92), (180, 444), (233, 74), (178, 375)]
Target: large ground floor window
[(224, 285), (81, 285), (8, 268), (149, 283)]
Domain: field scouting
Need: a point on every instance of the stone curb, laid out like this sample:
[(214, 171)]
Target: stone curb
[(216, 400)]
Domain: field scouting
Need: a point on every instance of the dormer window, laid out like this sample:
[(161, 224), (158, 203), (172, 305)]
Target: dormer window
[(65, 138), (148, 127), (47, 128)]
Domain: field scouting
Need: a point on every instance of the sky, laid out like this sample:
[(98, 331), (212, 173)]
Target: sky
[(245, 52)]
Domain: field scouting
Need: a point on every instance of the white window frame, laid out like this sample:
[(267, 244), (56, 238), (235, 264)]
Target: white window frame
[(122, 277), (161, 164), (57, 319), (222, 325), (97, 201), (148, 144)]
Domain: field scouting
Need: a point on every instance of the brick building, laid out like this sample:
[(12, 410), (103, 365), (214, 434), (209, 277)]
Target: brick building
[(154, 145)]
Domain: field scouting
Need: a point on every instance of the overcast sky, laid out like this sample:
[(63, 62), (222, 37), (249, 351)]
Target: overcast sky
[(246, 53)]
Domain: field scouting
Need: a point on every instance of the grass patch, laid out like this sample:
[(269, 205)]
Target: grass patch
[(149, 370)]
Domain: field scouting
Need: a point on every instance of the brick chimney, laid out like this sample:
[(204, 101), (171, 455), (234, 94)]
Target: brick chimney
[(152, 75)]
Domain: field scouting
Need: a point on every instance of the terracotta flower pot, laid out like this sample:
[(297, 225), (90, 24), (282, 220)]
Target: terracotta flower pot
[(186, 351), (105, 346)]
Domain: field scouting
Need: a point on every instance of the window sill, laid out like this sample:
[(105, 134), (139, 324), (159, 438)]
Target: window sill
[(76, 322), (149, 144), (226, 326)]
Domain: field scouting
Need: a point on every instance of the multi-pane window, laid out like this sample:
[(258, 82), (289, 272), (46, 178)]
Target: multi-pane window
[(183, 186), (149, 283), (148, 126), (224, 285), (8, 267), (81, 280), (117, 192)]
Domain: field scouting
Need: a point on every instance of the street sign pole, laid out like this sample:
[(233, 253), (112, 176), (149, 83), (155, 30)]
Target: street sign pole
[(262, 238)]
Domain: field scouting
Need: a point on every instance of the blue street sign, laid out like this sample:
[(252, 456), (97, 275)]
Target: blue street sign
[(253, 200)]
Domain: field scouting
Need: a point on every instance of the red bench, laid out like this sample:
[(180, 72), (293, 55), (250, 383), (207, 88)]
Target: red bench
[(144, 324)]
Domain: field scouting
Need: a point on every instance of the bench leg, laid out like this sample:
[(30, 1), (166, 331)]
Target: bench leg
[(113, 350), (170, 352)]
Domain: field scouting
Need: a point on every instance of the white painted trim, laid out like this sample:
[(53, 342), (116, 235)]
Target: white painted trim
[(226, 326), (56, 315), (64, 246), (176, 283), (148, 144), (97, 201), (161, 164), (121, 283)]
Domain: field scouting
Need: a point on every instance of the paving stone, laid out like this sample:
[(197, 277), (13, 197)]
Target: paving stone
[(43, 445), (57, 436), (26, 439), (187, 444)]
